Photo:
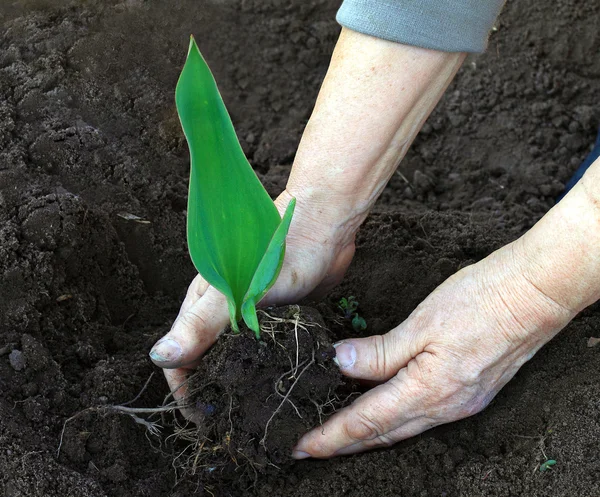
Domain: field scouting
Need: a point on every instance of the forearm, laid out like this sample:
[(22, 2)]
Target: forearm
[(373, 102), (561, 253), (551, 273)]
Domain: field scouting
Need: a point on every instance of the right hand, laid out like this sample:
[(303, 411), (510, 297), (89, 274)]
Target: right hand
[(316, 259)]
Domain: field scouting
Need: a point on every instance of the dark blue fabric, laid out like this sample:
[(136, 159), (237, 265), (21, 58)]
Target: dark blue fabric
[(589, 160)]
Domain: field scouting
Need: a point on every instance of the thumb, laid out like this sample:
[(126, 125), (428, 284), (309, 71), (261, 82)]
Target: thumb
[(195, 330), (378, 357)]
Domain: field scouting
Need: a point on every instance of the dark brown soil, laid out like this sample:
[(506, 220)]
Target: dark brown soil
[(253, 399), (89, 135)]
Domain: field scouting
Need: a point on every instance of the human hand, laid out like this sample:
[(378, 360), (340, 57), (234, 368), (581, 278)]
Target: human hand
[(372, 103), (447, 361), (318, 252)]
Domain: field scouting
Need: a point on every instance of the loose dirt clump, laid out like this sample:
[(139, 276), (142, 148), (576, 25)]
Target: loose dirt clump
[(253, 399)]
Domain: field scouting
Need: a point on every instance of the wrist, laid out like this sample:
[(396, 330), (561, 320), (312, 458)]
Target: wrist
[(541, 281), (526, 315), (562, 250), (373, 101), (327, 220)]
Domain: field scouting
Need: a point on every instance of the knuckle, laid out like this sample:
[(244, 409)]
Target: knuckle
[(453, 392), (466, 410), (363, 427), (467, 377), (197, 289), (425, 376), (380, 363), (384, 440), (475, 404), (318, 448), (441, 393), (192, 321), (215, 299)]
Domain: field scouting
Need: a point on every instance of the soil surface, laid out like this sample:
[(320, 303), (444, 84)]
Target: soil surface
[(93, 260)]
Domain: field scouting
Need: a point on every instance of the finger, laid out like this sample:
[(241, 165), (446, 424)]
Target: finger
[(177, 380), (178, 384), (384, 415), (193, 332), (196, 290), (410, 429), (378, 357)]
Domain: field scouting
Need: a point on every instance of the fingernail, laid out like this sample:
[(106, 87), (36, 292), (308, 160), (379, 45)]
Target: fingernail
[(345, 355), (166, 351), (299, 454)]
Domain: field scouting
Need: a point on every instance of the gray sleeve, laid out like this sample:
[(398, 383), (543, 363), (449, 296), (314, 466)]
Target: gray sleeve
[(446, 25)]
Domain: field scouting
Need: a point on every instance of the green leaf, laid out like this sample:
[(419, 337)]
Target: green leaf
[(231, 218), (547, 465), (352, 304), (359, 323), (267, 271)]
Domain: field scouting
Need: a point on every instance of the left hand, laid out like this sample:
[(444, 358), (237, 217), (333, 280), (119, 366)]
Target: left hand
[(447, 361)]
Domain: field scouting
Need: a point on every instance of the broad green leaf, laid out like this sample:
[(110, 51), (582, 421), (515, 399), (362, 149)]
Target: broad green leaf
[(267, 270), (231, 218)]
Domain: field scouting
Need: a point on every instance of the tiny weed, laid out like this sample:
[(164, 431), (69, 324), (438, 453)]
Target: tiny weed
[(349, 306), (547, 465), (358, 323)]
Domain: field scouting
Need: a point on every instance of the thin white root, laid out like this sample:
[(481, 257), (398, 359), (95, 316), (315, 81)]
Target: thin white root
[(153, 427), (285, 399)]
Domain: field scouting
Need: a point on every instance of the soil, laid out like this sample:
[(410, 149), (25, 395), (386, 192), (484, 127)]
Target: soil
[(253, 399), (93, 261)]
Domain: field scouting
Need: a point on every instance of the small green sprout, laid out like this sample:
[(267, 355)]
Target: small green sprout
[(358, 323), (235, 235), (547, 465), (349, 306)]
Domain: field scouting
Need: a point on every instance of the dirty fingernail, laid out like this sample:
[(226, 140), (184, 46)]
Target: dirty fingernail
[(166, 351), (299, 454), (345, 355)]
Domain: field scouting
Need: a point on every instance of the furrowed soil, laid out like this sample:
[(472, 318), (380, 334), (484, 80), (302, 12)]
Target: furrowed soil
[(93, 259)]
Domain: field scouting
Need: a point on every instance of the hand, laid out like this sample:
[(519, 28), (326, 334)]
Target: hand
[(447, 361), (315, 261), (371, 105)]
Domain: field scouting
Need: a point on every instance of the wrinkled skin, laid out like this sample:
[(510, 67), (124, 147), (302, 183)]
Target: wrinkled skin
[(447, 361)]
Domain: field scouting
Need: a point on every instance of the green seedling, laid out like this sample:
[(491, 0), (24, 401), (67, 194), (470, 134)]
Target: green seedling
[(349, 306), (358, 323), (547, 465), (235, 235)]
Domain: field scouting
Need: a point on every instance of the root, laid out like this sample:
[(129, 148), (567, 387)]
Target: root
[(212, 447), (285, 399), (141, 391), (541, 445), (153, 427), (205, 449), (201, 453), (279, 386), (332, 405), (268, 326)]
